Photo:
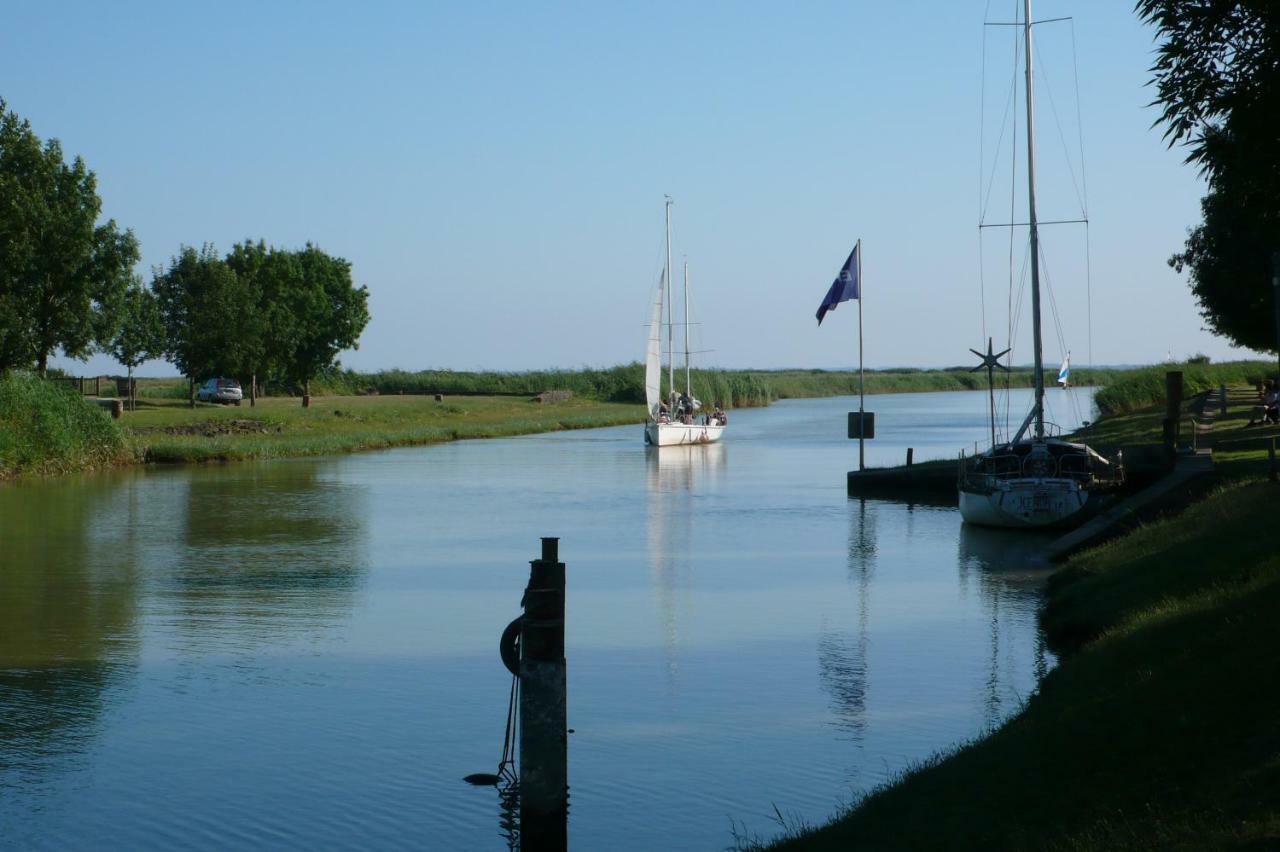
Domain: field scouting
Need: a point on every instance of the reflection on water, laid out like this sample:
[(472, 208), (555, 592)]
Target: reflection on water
[(268, 554), (67, 619), (215, 560), (1009, 574), (843, 649), (678, 477)]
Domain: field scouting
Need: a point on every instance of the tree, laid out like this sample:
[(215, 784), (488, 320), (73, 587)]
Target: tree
[(1217, 78), (327, 312), (267, 330), (203, 304), (62, 276), (141, 333)]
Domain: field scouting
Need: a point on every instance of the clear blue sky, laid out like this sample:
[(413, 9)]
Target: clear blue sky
[(495, 171)]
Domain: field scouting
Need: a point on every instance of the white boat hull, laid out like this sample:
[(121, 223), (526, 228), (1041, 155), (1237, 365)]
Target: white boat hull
[(680, 434), (1025, 503)]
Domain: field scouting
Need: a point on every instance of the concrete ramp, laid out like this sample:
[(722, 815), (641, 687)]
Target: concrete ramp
[(1191, 470)]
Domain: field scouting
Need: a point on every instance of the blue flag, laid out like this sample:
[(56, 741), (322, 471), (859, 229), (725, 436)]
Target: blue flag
[(845, 287)]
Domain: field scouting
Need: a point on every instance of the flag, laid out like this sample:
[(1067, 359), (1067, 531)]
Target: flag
[(845, 287), (1065, 370)]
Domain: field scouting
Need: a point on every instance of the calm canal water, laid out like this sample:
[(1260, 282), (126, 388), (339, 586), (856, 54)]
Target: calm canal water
[(302, 654)]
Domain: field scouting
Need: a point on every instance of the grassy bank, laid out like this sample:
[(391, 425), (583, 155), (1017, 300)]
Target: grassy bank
[(1130, 390), (169, 431), (46, 429), (1158, 732), (1158, 729)]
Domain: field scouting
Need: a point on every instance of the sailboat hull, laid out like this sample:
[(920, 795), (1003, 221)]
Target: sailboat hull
[(1025, 504), (680, 434)]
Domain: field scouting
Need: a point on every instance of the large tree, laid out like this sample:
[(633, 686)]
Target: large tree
[(267, 330), (1217, 79), (62, 275), (204, 305), (328, 313), (140, 336)]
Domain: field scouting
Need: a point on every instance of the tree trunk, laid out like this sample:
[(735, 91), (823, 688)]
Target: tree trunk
[(191, 391), (253, 390), (306, 394), (42, 365), (133, 402)]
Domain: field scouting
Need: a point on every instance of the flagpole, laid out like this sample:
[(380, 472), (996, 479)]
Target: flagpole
[(861, 378)]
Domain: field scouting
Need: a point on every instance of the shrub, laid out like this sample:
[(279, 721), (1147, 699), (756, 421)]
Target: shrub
[(45, 428)]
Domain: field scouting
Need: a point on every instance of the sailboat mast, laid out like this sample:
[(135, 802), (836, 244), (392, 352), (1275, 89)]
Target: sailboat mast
[(1035, 235), (688, 386), (671, 366)]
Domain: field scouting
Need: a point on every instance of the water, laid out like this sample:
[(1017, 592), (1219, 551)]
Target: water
[(303, 653)]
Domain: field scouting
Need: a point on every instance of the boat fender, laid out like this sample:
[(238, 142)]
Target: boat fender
[(509, 645)]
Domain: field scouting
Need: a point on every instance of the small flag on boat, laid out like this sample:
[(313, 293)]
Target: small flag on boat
[(1065, 371), (845, 287)]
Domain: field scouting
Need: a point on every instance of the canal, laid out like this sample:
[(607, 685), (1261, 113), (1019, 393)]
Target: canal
[(303, 653)]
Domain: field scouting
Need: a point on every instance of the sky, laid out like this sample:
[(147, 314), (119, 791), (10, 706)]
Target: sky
[(495, 172)]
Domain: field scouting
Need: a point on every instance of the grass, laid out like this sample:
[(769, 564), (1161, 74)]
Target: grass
[(168, 431), (1132, 390), (48, 429), (1157, 731)]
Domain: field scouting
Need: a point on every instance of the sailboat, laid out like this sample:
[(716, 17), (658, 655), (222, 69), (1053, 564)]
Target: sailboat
[(677, 419), (1034, 480)]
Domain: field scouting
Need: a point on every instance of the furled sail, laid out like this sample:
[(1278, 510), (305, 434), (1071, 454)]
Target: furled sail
[(653, 355)]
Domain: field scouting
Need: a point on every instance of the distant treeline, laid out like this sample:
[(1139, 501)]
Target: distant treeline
[(625, 383), (1124, 389)]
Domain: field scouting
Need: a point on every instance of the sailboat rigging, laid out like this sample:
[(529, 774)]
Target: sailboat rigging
[(674, 419), (1034, 480)]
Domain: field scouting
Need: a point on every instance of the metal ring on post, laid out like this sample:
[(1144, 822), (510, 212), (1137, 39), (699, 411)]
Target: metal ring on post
[(509, 645)]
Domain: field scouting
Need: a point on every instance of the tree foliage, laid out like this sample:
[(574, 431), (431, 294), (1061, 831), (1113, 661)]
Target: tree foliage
[(260, 311), (203, 304), (327, 310), (62, 275), (140, 336), (1217, 79)]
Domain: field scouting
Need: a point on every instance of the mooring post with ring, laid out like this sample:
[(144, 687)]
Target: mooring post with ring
[(544, 741)]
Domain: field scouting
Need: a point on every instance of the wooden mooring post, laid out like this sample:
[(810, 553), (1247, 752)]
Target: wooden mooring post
[(544, 735), (910, 454), (1173, 409)]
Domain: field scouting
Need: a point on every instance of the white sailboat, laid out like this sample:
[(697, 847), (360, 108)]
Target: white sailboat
[(679, 418), (1034, 480)]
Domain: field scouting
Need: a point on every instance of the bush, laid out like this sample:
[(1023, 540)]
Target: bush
[(45, 428)]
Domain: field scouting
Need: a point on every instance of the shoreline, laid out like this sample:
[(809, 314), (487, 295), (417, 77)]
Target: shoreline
[(1157, 728)]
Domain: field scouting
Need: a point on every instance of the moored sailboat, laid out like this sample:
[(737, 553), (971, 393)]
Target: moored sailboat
[(678, 418), (1034, 480)]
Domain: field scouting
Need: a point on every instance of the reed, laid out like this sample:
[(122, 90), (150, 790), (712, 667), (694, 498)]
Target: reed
[(1130, 390), (47, 429)]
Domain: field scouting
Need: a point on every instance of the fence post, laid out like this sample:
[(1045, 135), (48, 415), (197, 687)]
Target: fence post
[(544, 740), (910, 453)]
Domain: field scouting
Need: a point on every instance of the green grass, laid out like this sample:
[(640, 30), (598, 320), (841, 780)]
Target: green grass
[(169, 431), (1131, 390), (1158, 731), (47, 429)]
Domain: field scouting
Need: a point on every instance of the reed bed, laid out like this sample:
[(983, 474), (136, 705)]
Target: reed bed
[(46, 428), (1130, 390)]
